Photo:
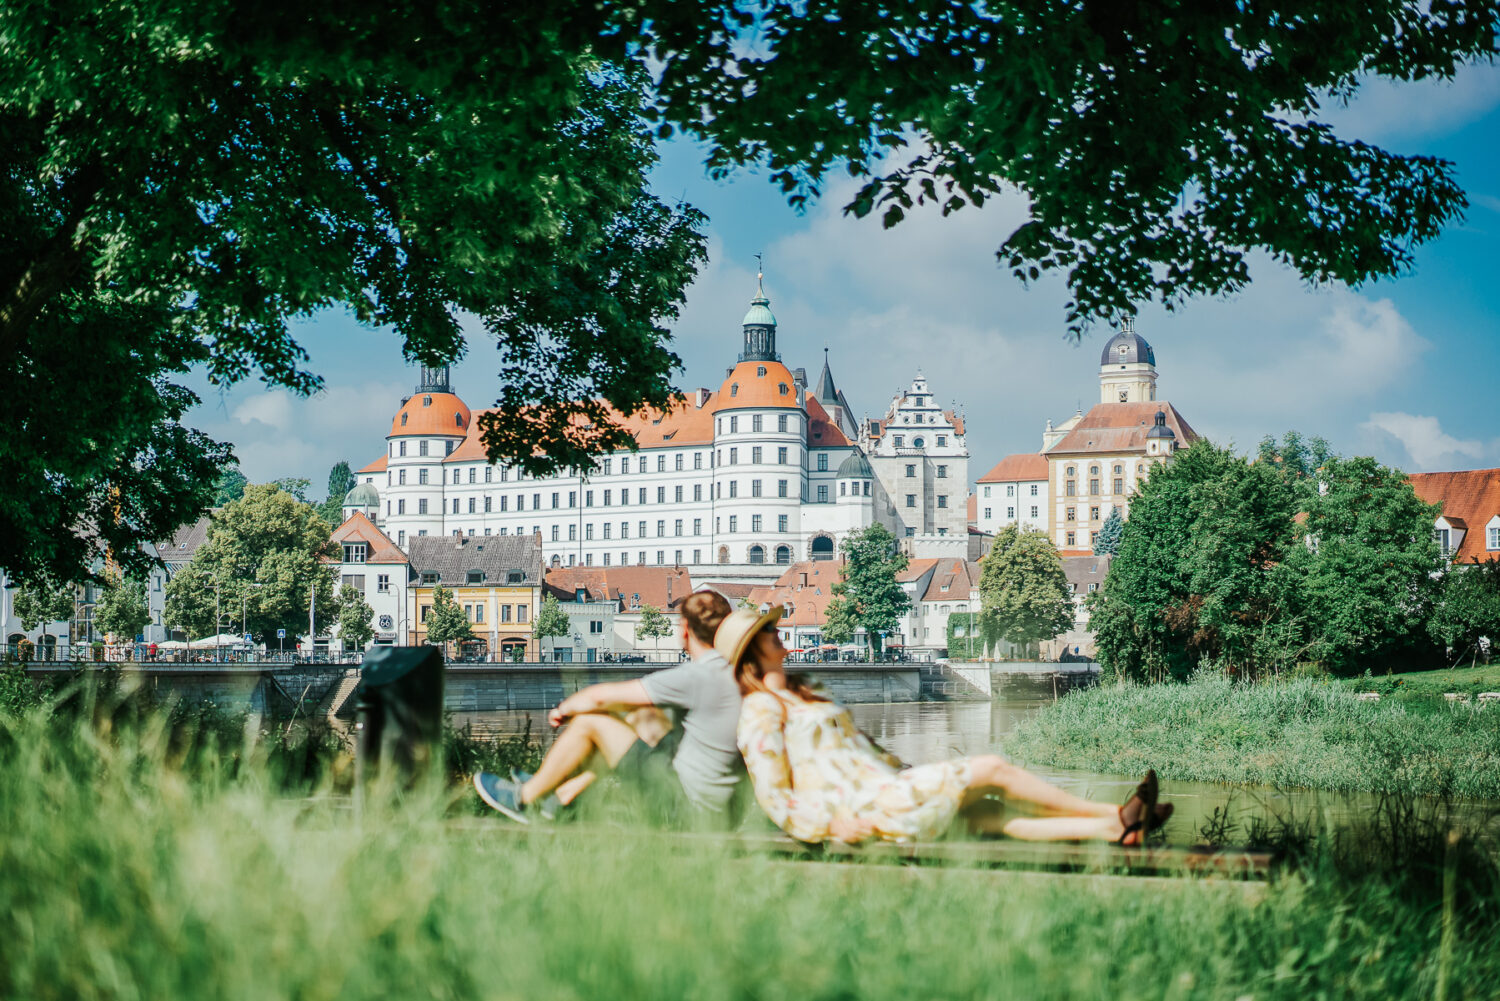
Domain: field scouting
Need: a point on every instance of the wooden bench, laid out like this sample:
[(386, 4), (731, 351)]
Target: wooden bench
[(988, 853)]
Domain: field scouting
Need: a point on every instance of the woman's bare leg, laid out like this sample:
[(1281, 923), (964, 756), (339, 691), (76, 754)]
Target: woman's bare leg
[(1063, 829), (992, 773)]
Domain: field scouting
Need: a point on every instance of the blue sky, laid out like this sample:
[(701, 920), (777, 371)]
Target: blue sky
[(1403, 370)]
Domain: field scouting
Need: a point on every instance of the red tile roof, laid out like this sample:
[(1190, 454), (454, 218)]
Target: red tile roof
[(821, 431), (807, 586), (955, 420), (359, 528), (916, 568), (1470, 497), (1015, 468), (441, 414), (378, 466), (959, 576), (1121, 427), (745, 387), (662, 587)]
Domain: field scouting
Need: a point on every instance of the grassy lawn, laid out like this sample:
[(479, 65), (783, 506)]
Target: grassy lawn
[(1297, 734), (143, 859), (1431, 685)]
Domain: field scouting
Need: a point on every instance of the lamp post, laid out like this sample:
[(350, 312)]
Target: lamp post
[(578, 642)]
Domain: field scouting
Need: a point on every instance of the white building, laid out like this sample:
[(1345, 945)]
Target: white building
[(756, 473), (921, 458), (373, 565), (1013, 493), (59, 638)]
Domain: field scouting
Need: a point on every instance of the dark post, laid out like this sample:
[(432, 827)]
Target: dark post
[(400, 711)]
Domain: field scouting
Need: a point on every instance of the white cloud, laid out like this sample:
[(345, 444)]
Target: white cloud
[(1424, 439), (1390, 110)]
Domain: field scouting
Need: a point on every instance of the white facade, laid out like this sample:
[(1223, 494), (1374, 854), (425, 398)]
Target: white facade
[(62, 635), (921, 457), (744, 477), (591, 634)]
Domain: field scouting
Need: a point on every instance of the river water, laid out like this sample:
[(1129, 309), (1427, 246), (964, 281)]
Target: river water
[(920, 732)]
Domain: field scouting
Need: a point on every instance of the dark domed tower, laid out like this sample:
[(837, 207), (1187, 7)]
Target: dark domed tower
[(1127, 368)]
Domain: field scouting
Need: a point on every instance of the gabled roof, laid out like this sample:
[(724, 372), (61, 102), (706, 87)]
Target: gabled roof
[(1083, 569), (378, 466), (451, 557), (821, 431), (1470, 497), (185, 541), (1017, 468), (664, 588), (959, 577), (916, 569), (807, 587), (1121, 427), (359, 528)]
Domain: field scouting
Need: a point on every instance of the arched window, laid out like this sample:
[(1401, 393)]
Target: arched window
[(1072, 471), (757, 554), (723, 554), (458, 419), (783, 555), (822, 548), (1093, 470)]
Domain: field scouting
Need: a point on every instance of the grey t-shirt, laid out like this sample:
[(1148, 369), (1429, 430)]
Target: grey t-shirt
[(708, 759)]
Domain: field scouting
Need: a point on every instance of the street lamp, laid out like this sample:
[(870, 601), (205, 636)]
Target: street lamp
[(578, 642)]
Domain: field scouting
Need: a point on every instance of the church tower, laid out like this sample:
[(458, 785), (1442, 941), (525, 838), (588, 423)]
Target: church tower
[(760, 327), (1127, 368)]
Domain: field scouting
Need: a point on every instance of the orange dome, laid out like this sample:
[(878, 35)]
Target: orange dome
[(441, 414), (757, 384)]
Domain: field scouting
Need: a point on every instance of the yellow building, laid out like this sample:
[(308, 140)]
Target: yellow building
[(495, 579)]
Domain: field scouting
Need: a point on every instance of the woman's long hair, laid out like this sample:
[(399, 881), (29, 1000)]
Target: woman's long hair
[(750, 673)]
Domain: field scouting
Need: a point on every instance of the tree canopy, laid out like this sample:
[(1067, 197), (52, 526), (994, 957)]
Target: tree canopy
[(266, 554), (653, 625), (41, 601), (869, 596), (121, 608), (446, 621), (1249, 568), (183, 181), (1024, 596), (551, 621), (356, 618)]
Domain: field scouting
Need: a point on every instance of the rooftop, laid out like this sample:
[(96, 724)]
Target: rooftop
[(1121, 427), (452, 558), (1469, 497)]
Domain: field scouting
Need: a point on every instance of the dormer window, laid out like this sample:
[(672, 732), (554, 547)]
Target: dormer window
[(458, 419), (760, 370), (355, 552), (474, 577), (734, 389), (515, 577), (427, 401), (782, 387), (429, 577), (403, 418)]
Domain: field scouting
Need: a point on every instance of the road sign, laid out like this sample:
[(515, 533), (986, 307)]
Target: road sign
[(249, 638), (281, 634)]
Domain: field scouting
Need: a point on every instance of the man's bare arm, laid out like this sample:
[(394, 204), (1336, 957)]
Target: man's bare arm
[(604, 697)]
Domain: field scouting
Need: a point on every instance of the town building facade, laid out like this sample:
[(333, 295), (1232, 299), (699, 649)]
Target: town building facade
[(920, 457), (756, 474), (497, 581)]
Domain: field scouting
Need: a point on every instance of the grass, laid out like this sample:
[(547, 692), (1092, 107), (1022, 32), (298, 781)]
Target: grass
[(1419, 688), (1305, 733), (151, 855)]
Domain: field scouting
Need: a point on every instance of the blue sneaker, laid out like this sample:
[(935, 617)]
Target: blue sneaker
[(502, 795), (549, 807)]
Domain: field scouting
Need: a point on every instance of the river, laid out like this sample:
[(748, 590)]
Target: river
[(920, 732)]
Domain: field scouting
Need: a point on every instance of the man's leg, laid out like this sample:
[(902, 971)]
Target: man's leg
[(586, 735)]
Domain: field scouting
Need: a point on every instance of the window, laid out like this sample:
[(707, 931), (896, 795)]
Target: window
[(697, 491), (504, 502), (822, 462), (987, 514), (504, 613), (641, 533), (455, 505), (661, 495), (755, 454), (607, 498), (1033, 511), (421, 505), (755, 523), (624, 529), (1072, 538), (755, 423), (355, 552), (781, 521), (942, 472), (677, 493), (755, 488), (471, 505), (697, 529), (1033, 490), (734, 456), (487, 503), (383, 583), (401, 506), (1492, 538), (942, 500), (1072, 488), (781, 422), (554, 533), (1072, 514), (783, 555), (677, 527), (911, 469), (421, 476), (900, 441), (1093, 586), (822, 493), (942, 441), (697, 460), (917, 443), (661, 463), (1094, 487), (401, 535), (1072, 471), (697, 556), (734, 486), (781, 488), (757, 554), (661, 557), (1441, 535), (640, 496), (734, 424), (422, 447), (624, 465), (911, 500), (1010, 512), (607, 527), (1093, 538), (661, 528), (572, 499), (402, 447), (1119, 485), (572, 533), (677, 462), (1094, 514)]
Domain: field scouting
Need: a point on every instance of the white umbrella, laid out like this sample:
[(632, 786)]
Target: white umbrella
[(217, 642)]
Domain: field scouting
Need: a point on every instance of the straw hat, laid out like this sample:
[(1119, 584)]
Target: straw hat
[(738, 628)]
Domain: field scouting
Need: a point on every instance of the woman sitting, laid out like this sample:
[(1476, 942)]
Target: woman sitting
[(819, 778)]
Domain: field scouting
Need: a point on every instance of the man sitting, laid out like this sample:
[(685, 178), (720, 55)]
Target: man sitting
[(697, 763)]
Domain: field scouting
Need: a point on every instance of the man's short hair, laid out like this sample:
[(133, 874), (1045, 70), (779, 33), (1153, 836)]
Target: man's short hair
[(703, 611)]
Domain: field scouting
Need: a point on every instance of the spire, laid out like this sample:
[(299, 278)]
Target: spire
[(759, 324), (826, 391)]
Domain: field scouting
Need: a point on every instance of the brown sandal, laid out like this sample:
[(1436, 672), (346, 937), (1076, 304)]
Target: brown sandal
[(1139, 814)]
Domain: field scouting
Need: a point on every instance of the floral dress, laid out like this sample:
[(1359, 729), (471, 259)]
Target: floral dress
[(809, 763)]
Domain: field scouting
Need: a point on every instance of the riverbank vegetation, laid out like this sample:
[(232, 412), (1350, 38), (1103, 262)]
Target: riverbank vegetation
[(148, 857), (1303, 733)]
